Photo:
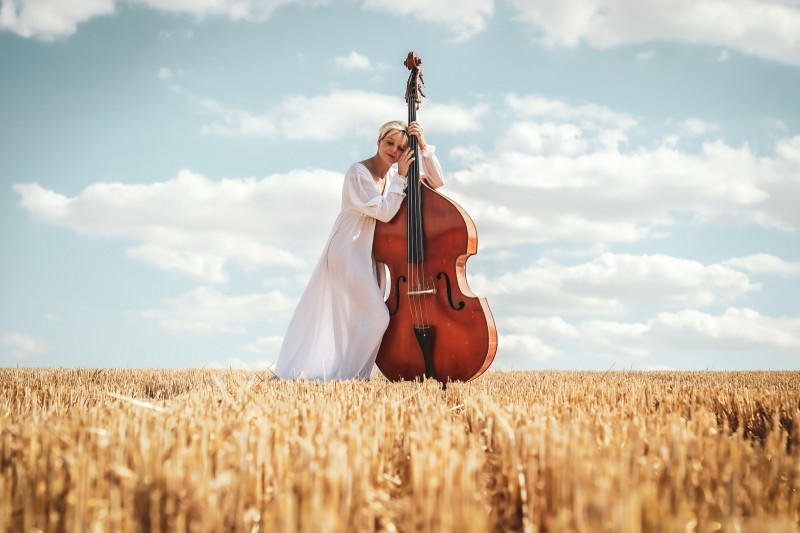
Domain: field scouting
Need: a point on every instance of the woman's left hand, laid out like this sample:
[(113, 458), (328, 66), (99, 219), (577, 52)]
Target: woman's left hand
[(415, 129)]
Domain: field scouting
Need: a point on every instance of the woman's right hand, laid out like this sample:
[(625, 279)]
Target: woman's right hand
[(404, 162)]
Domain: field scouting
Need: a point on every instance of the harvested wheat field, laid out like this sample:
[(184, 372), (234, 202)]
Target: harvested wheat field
[(202, 450)]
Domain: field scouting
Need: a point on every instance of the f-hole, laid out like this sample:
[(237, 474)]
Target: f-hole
[(396, 295)]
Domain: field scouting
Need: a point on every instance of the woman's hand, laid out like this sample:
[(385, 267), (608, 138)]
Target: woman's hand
[(415, 129), (404, 163)]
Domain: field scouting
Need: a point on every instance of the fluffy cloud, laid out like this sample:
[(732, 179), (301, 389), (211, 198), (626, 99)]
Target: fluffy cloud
[(49, 20), (206, 310), (234, 122), (726, 340), (193, 226), (590, 116), (268, 345), (760, 28), (20, 345), (736, 330), (462, 18), (757, 27), (326, 117), (766, 264), (247, 10), (524, 351), (356, 61), (55, 19), (550, 179), (565, 176), (610, 284)]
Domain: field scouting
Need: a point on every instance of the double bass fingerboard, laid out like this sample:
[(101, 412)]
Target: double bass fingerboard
[(416, 244)]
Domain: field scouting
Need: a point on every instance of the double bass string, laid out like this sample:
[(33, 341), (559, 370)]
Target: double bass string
[(412, 214), (419, 267), (420, 307), (422, 277)]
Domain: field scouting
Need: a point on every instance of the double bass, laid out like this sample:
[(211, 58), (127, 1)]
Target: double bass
[(438, 328)]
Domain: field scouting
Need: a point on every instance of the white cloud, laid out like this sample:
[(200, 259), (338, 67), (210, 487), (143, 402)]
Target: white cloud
[(789, 149), (521, 351), (586, 115), (766, 264), (609, 284), (565, 177), (329, 117), (463, 18), (49, 20), (233, 122), (356, 61), (21, 345), (193, 227), (547, 138), (616, 338), (736, 330), (761, 28), (526, 324), (199, 265), (575, 253), (244, 10), (695, 126), (206, 310), (544, 182), (269, 345), (166, 74)]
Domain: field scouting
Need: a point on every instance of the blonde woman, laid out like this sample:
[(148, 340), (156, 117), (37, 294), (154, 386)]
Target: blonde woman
[(338, 324)]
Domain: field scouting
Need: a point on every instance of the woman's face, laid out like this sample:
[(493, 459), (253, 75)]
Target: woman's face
[(391, 146)]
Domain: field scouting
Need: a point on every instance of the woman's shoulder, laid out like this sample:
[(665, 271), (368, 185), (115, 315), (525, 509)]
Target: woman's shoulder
[(357, 169)]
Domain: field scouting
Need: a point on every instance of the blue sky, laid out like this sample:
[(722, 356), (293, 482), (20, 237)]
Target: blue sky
[(170, 170)]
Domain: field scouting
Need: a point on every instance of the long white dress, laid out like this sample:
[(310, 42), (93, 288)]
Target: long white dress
[(341, 317)]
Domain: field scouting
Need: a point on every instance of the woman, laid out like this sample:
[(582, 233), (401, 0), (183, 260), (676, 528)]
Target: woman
[(340, 319)]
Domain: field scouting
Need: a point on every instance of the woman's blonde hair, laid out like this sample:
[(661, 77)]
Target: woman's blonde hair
[(394, 126)]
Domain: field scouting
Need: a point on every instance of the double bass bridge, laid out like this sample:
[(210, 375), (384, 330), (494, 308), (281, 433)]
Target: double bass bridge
[(420, 292)]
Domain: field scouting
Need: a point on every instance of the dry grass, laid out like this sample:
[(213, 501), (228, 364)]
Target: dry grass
[(194, 450)]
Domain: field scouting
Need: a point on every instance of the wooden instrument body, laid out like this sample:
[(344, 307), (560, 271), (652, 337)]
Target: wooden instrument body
[(465, 340), (438, 328)]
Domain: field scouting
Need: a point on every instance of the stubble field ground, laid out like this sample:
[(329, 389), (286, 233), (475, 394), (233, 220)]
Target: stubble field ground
[(85, 450)]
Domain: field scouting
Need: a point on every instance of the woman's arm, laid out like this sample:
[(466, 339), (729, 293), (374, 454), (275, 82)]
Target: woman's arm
[(431, 173), (431, 169), (360, 193)]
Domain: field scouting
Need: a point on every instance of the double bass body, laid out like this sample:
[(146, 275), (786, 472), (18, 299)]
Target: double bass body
[(438, 328)]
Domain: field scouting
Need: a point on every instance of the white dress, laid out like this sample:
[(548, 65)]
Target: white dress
[(341, 317)]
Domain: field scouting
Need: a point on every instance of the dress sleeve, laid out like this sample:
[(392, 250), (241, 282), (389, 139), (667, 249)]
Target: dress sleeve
[(363, 195), (431, 169)]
